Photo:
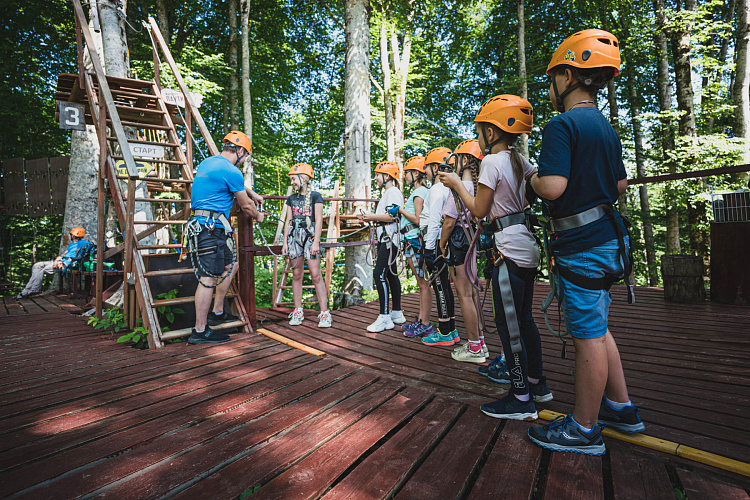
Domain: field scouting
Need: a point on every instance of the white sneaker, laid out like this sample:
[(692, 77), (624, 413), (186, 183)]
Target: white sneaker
[(324, 319), (463, 353), (296, 317), (398, 317), (485, 351), (383, 322)]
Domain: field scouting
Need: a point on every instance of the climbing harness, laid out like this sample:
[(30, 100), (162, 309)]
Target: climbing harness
[(190, 231), (550, 225)]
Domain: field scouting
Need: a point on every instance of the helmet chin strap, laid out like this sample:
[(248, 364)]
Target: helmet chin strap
[(239, 159), (487, 146), (559, 104)]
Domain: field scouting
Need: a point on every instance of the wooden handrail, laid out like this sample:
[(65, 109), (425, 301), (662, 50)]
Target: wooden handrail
[(735, 169)]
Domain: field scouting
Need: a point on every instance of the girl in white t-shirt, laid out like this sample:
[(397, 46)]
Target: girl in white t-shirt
[(385, 273), (500, 192)]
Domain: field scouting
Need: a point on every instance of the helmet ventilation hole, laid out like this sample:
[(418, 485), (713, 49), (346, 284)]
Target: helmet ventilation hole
[(511, 121), (586, 54)]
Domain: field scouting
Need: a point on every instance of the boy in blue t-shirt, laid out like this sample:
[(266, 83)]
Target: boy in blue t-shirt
[(580, 176)]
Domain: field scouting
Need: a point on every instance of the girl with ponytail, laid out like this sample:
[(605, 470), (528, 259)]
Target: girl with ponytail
[(501, 193), (302, 231)]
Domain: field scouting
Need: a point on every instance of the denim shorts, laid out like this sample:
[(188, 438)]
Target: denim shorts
[(412, 251), (586, 311), (213, 253)]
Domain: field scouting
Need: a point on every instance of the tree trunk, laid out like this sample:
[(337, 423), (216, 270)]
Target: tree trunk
[(648, 228), (681, 40), (162, 15), (402, 69), (741, 89), (723, 57), (385, 67), (234, 116), (522, 83), (247, 106), (667, 135), (357, 274)]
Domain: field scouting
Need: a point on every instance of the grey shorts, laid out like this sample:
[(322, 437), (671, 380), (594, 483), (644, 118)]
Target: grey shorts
[(300, 244), (213, 253)]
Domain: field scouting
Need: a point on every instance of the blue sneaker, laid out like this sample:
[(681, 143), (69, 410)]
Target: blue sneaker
[(438, 338), (495, 369), (510, 408), (409, 326), (563, 434), (419, 330), (456, 338), (625, 420)]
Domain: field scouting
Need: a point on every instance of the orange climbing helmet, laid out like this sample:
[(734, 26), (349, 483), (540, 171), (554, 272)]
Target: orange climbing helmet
[(510, 113), (78, 232), (238, 139), (470, 147), (388, 168), (415, 163), (302, 168), (592, 48), (437, 155)]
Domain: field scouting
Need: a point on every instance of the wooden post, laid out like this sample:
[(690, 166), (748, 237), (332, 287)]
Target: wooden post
[(157, 78), (100, 205), (276, 238), (246, 261), (333, 233), (79, 52), (129, 240), (189, 140)]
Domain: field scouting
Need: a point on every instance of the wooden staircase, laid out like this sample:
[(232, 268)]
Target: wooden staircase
[(111, 105)]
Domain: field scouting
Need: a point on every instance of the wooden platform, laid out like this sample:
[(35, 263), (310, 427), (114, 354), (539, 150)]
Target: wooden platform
[(82, 416)]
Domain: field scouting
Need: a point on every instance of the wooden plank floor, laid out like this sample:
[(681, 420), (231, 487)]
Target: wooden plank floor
[(81, 416)]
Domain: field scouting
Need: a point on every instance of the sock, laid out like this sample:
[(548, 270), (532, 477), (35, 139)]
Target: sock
[(394, 311), (201, 332), (452, 323), (219, 314), (475, 346), (584, 429), (533, 380), (522, 397), (618, 406), (481, 340), (444, 327)]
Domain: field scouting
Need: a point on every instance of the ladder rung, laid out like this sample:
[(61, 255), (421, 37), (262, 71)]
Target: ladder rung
[(158, 247), (304, 287), (170, 272), (139, 110), (179, 300), (159, 222), (142, 125), (153, 143), (157, 200), (152, 160), (184, 332), (311, 301), (157, 179)]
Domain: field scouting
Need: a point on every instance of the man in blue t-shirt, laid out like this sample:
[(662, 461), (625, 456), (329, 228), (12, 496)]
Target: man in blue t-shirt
[(580, 177), (218, 182), (39, 269)]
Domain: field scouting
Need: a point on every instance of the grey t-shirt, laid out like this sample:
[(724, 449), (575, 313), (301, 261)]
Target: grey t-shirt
[(297, 203)]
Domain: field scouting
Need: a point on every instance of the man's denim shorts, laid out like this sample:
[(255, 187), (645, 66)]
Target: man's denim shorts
[(586, 311)]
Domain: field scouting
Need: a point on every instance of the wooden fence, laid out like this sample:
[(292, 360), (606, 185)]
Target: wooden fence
[(34, 187)]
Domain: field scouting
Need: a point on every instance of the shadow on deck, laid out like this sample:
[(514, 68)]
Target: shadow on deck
[(379, 416)]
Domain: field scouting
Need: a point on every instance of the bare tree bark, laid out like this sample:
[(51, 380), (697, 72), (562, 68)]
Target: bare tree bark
[(385, 67), (681, 40), (523, 84), (403, 76), (667, 135), (723, 55), (357, 274), (247, 105), (234, 116), (162, 15), (741, 89)]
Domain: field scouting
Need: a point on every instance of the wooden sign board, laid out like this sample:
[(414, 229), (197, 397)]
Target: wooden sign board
[(143, 167), (147, 150), (72, 115), (176, 98)]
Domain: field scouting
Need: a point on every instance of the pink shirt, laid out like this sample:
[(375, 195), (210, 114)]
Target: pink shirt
[(449, 207), (516, 242)]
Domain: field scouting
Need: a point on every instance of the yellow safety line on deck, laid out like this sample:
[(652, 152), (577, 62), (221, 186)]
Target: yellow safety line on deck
[(290, 342), (669, 447)]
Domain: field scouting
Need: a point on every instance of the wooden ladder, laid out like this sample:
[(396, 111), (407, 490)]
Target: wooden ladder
[(332, 232), (114, 103)]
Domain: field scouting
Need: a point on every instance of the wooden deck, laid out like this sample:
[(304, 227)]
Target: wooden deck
[(379, 416)]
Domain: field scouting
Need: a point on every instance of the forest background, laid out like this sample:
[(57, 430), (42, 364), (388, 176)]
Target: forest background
[(678, 106)]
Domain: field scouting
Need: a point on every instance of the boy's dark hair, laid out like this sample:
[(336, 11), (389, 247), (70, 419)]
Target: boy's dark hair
[(591, 79)]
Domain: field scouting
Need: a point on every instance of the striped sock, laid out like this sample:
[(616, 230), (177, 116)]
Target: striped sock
[(475, 346)]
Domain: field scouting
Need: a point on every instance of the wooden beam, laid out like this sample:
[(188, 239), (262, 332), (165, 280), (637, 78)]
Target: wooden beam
[(736, 169)]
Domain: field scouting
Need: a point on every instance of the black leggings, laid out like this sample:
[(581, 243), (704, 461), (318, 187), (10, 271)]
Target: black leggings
[(529, 360), (442, 286), (387, 280)]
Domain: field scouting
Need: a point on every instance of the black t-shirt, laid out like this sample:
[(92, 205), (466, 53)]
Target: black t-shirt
[(297, 203)]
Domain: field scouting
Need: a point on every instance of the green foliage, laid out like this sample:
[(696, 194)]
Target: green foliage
[(113, 320), (139, 335), (249, 492)]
